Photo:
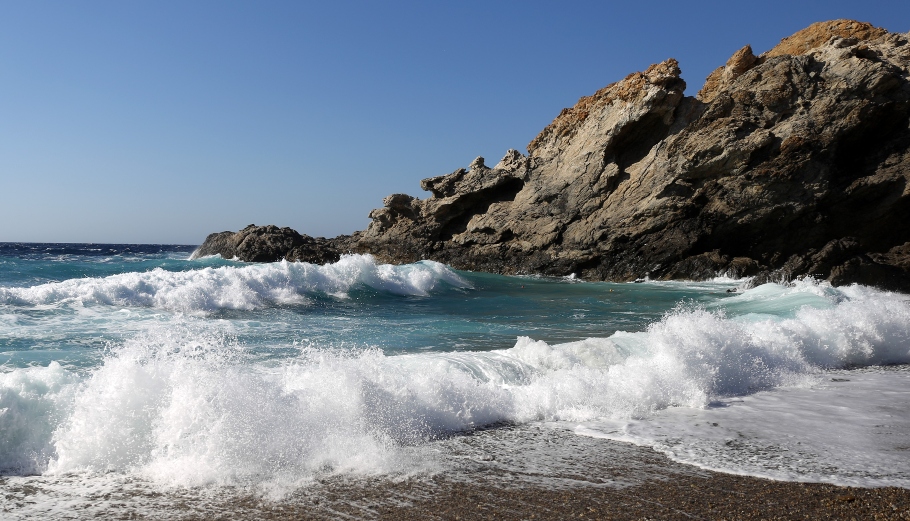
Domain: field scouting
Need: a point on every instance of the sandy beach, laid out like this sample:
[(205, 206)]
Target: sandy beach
[(680, 493), (716, 497), (510, 473), (590, 479), (225, 413)]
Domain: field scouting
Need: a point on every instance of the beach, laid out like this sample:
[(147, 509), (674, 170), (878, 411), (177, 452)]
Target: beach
[(593, 479), (708, 496), (138, 383), (596, 479), (631, 263)]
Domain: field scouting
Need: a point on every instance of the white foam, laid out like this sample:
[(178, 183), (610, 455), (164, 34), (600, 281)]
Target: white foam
[(182, 408), (245, 287), (32, 401), (181, 404), (850, 428)]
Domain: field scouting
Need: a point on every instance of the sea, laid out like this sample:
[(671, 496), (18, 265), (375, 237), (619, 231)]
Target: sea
[(132, 376)]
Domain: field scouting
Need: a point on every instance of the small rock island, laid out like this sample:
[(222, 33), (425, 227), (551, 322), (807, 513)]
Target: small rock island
[(793, 162)]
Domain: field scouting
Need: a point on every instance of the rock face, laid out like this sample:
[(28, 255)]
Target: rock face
[(793, 162), (270, 244)]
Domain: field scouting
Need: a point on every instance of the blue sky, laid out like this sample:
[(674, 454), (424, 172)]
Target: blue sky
[(160, 122)]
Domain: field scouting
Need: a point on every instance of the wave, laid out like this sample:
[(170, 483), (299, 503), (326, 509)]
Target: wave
[(246, 287), (185, 406)]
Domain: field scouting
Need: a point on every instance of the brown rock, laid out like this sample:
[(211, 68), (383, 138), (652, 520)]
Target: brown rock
[(820, 33), (636, 89), (795, 162), (740, 62)]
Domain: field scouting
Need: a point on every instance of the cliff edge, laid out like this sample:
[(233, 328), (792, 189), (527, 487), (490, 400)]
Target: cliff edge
[(793, 162)]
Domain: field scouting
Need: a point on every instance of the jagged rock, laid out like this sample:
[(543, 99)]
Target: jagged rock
[(270, 243), (820, 33), (794, 162), (740, 62)]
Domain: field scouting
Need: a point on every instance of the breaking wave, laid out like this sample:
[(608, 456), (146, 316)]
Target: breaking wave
[(184, 406), (245, 287)]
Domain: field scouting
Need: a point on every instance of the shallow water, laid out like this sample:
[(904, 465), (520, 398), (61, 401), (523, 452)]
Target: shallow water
[(132, 364)]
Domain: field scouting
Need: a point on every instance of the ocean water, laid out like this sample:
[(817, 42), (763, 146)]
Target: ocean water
[(125, 366)]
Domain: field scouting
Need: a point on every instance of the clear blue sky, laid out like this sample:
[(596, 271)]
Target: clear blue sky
[(160, 121)]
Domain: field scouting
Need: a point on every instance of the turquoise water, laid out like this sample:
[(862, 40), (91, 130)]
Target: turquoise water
[(134, 361), (63, 310)]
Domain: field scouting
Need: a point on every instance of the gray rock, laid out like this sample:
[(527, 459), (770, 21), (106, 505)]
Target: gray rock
[(269, 244), (795, 162)]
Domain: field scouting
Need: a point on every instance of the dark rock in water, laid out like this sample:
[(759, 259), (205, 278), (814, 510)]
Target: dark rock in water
[(794, 162), (269, 244)]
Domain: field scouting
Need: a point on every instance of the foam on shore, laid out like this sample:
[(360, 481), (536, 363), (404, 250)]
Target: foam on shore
[(182, 405)]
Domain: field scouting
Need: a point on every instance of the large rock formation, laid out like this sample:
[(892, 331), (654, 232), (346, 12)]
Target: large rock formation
[(270, 244), (793, 162)]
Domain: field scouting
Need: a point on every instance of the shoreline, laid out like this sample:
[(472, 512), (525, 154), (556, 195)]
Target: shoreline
[(530, 469), (720, 496), (546, 471), (673, 491), (510, 473)]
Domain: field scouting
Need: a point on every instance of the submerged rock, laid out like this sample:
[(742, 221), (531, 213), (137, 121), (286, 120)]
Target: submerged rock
[(794, 162)]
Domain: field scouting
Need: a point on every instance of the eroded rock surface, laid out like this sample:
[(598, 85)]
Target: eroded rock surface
[(271, 243), (794, 162)]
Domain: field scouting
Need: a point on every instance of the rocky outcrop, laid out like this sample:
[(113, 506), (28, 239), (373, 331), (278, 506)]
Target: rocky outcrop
[(794, 162), (270, 244)]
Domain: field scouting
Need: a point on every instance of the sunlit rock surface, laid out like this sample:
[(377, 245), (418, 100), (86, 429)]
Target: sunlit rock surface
[(793, 162)]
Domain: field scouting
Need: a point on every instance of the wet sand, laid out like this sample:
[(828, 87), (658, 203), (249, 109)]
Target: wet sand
[(554, 474), (717, 496), (512, 473)]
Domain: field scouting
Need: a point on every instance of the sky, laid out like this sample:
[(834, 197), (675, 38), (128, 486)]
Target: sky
[(163, 121)]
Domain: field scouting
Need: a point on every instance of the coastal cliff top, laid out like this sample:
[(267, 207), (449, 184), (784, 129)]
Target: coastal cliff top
[(821, 33), (630, 90), (794, 162)]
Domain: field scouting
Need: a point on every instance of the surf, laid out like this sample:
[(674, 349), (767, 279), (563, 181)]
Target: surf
[(186, 404), (245, 287)]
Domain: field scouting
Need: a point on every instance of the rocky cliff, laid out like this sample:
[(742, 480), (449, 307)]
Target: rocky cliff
[(793, 162)]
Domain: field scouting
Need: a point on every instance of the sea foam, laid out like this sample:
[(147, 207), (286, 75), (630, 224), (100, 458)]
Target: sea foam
[(244, 287), (850, 428), (183, 406)]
